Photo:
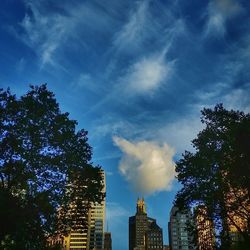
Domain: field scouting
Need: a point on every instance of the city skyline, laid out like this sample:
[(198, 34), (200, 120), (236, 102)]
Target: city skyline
[(135, 75)]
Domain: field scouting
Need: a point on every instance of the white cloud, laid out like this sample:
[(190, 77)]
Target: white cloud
[(219, 12), (222, 92), (146, 165), (181, 132), (46, 31), (237, 99), (147, 75), (135, 30), (110, 125), (150, 72), (143, 27)]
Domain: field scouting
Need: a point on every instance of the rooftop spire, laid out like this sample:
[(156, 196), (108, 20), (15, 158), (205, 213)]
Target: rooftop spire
[(140, 206)]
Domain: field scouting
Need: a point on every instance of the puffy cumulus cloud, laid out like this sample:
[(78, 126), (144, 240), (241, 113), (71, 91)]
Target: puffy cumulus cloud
[(147, 166), (147, 74), (219, 11)]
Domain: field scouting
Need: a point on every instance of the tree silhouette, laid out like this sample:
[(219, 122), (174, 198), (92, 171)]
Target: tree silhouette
[(217, 174), (41, 154)]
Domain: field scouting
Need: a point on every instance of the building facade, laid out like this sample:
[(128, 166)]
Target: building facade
[(153, 236), (179, 235), (90, 236), (237, 202), (144, 233), (76, 240), (205, 229), (97, 220), (107, 241), (166, 247)]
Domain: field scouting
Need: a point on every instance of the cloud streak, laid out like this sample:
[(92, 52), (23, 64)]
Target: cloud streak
[(147, 166), (46, 31), (219, 12), (134, 31)]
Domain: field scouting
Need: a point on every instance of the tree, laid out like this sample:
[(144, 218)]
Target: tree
[(217, 174), (41, 154)]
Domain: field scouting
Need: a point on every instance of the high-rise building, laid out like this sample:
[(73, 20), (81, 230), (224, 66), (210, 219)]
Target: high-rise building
[(76, 240), (91, 235), (138, 226), (238, 204), (97, 219), (179, 235), (78, 237), (144, 233), (107, 241), (205, 229), (166, 247), (153, 236)]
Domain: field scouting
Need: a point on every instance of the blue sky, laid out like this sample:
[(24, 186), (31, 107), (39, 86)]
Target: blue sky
[(135, 74)]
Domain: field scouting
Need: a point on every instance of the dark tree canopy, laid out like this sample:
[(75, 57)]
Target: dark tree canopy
[(217, 173), (41, 155)]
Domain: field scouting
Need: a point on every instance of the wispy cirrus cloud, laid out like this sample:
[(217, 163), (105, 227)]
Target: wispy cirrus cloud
[(146, 165), (141, 29), (218, 13), (135, 30), (147, 72), (43, 32), (180, 132), (46, 31), (232, 98)]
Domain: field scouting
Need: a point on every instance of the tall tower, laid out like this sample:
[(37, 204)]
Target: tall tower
[(138, 226), (91, 237), (97, 219), (140, 206), (144, 233), (107, 241), (179, 235), (205, 229)]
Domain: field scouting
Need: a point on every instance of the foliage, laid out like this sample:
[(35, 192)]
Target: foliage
[(217, 173), (41, 154)]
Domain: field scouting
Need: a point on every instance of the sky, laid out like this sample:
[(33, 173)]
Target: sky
[(135, 75)]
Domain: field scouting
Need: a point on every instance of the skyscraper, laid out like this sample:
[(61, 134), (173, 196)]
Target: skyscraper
[(179, 235), (238, 205), (76, 240), (91, 235), (153, 236), (144, 233), (205, 229), (107, 241), (97, 219)]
